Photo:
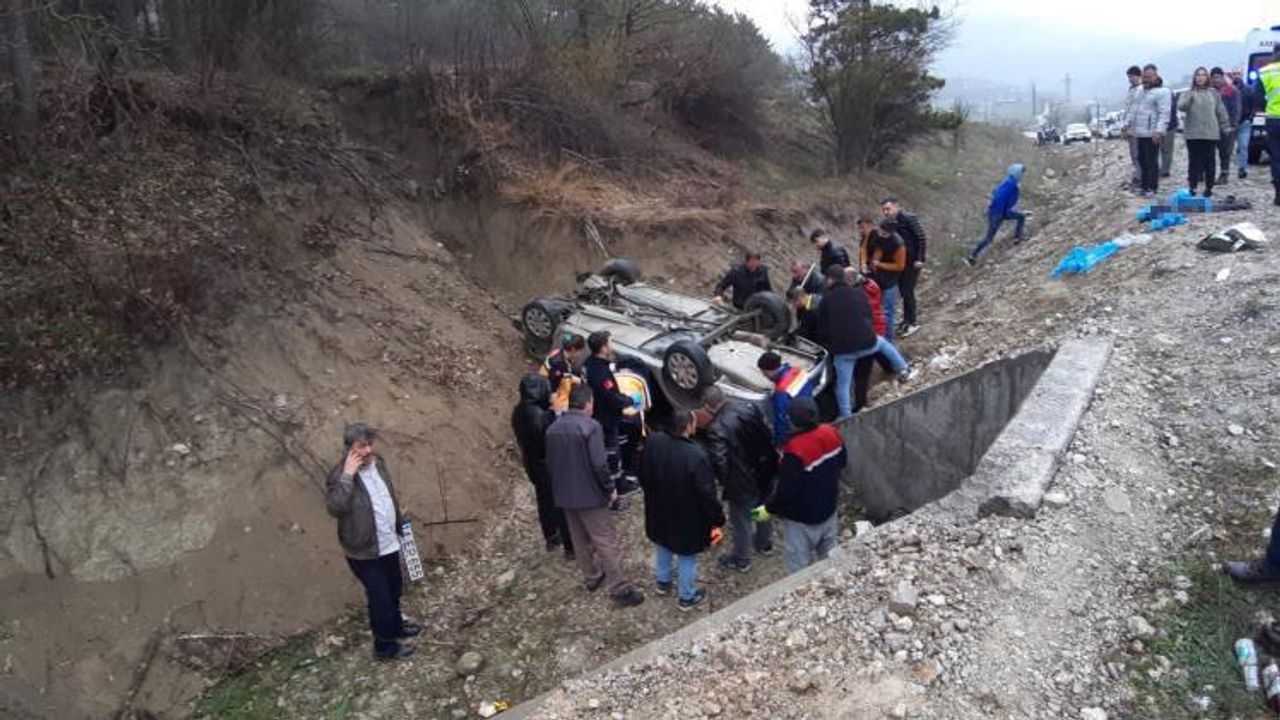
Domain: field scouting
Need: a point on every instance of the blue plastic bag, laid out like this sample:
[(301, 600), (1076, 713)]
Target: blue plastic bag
[(1081, 260), (1164, 222)]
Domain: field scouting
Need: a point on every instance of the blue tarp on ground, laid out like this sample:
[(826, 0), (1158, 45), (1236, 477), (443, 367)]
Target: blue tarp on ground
[(1081, 260)]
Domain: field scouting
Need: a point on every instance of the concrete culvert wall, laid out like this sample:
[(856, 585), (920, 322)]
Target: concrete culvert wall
[(915, 450)]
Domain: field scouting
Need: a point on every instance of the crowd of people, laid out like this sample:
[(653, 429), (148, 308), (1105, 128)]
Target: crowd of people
[(1217, 114), (730, 464)]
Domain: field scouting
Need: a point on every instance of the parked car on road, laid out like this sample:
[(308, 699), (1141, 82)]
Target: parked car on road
[(684, 343), (1077, 132)]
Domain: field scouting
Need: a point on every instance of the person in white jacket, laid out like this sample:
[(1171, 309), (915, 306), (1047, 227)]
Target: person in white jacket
[(1147, 121)]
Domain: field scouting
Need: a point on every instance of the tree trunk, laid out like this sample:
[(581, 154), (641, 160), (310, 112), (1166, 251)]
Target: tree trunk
[(127, 30), (22, 67)]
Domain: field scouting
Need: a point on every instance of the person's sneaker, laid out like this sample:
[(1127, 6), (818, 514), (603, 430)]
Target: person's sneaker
[(969, 260), (730, 562), (662, 589), (569, 555), (399, 653), (409, 629), (909, 330), (699, 596), (1242, 174), (554, 543), (1208, 193), (907, 375), (593, 585), (620, 505), (1258, 574), (1164, 174), (630, 485), (630, 597), (765, 550), (1223, 177)]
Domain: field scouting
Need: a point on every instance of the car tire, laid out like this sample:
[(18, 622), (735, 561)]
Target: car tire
[(539, 320), (622, 271), (687, 371), (774, 320)]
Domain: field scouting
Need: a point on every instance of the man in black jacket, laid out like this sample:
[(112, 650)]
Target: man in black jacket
[(530, 420), (359, 493), (745, 280), (917, 244), (740, 446), (610, 402), (847, 332), (680, 507), (829, 251)]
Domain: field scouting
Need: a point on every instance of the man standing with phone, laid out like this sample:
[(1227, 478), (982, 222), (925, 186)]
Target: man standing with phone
[(359, 493)]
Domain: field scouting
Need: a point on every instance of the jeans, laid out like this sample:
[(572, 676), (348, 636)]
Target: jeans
[(845, 365), (382, 587), (1226, 147), (1149, 162), (1273, 547), (1166, 152), (889, 302), (993, 226), (740, 531), (1273, 149), (1200, 164), (686, 571), (805, 542), (889, 358), (907, 286), (1243, 136), (1136, 176)]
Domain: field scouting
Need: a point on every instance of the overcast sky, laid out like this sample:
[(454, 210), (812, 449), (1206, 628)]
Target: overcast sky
[(1178, 22)]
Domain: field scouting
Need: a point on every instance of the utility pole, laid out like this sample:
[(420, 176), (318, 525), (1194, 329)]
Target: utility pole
[(1066, 81)]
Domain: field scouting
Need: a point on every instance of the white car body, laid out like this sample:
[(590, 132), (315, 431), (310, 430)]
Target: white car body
[(1077, 132)]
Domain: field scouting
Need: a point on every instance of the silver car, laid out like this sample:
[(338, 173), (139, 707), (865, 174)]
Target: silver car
[(685, 344)]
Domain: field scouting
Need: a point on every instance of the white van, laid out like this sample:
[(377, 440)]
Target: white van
[(1259, 45)]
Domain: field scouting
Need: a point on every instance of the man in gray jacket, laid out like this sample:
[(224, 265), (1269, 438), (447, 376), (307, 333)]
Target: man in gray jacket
[(584, 488), (359, 493), (1148, 122)]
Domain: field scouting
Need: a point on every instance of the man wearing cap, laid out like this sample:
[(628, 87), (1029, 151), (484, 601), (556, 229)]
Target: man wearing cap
[(359, 493), (808, 487)]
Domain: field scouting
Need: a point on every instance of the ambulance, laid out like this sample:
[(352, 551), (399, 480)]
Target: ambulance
[(1259, 45)]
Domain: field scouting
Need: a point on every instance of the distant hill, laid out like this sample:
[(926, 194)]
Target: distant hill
[(1175, 65)]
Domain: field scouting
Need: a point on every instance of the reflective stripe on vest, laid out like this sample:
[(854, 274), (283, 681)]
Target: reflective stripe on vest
[(1269, 77)]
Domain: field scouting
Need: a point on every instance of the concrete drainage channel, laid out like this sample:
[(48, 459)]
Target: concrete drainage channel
[(987, 442)]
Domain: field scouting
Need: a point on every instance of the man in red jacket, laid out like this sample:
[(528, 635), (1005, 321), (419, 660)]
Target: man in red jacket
[(808, 489)]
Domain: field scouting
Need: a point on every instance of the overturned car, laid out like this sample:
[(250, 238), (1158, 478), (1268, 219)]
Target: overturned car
[(685, 344)]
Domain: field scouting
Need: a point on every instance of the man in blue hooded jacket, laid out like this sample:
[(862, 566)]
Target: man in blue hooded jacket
[(1004, 201)]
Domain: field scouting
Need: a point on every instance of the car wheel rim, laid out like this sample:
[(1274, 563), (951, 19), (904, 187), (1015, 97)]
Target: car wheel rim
[(537, 322), (682, 371)]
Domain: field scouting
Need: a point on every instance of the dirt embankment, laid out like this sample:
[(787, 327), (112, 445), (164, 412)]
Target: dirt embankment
[(160, 521)]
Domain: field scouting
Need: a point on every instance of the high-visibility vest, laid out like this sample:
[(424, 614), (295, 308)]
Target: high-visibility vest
[(1269, 76)]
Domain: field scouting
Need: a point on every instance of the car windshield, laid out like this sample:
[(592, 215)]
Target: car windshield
[(657, 346)]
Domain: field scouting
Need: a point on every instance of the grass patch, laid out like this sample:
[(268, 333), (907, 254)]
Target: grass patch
[(1198, 641), (252, 693)]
